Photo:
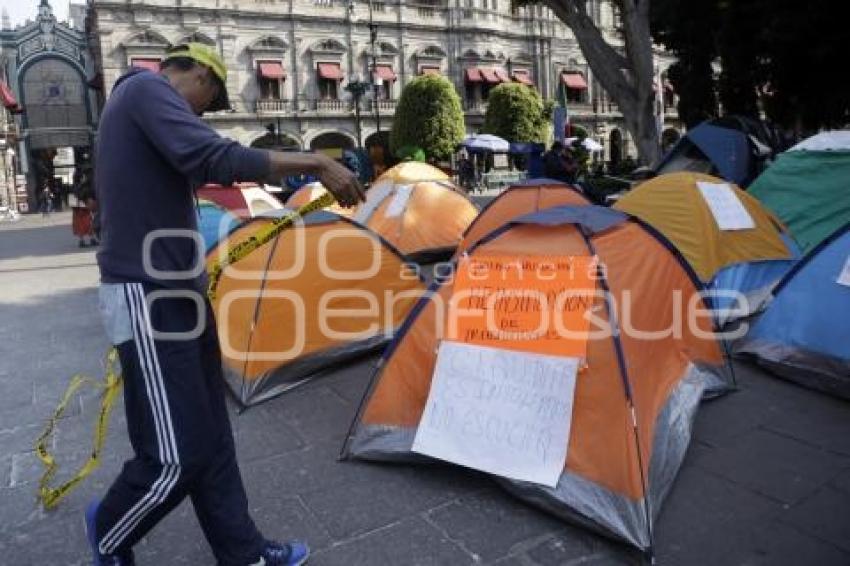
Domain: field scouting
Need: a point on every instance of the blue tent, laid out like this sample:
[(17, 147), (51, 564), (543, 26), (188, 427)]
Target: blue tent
[(804, 335), (214, 222), (714, 150)]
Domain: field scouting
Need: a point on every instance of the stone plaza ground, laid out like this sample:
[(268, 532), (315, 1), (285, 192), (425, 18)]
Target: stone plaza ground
[(766, 479)]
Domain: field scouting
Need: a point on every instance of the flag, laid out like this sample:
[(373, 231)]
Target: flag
[(561, 115)]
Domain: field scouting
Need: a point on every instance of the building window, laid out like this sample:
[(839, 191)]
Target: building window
[(270, 77), (523, 76), (472, 83), (329, 75), (150, 64), (385, 77), (328, 89), (575, 86)]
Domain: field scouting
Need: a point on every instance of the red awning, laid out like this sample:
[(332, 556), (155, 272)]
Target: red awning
[(473, 75), (149, 64), (490, 76), (522, 76), (574, 80), (429, 71), (8, 98), (271, 70), (330, 71), (502, 75), (385, 73)]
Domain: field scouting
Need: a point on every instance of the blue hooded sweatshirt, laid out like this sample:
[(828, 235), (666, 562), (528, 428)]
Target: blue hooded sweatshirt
[(152, 152)]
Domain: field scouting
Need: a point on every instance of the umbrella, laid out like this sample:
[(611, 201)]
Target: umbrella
[(486, 142), (589, 144)]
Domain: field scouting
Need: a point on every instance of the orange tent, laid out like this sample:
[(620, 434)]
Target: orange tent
[(425, 220), (318, 294), (408, 172), (310, 192), (636, 390), (517, 200)]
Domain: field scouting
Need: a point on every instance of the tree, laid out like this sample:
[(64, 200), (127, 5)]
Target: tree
[(686, 28), (517, 113), (428, 116), (773, 55), (626, 73)]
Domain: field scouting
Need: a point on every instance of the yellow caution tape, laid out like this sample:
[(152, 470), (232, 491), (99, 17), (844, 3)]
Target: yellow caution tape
[(245, 247), (111, 385)]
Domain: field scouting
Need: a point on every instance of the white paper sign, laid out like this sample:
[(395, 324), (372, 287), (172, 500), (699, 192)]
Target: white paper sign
[(502, 412), (374, 197), (399, 202), (728, 211), (844, 277)]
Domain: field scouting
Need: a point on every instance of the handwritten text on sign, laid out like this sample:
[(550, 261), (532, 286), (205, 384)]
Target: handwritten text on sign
[(530, 304), (502, 412)]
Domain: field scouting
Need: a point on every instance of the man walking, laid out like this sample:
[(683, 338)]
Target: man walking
[(152, 151)]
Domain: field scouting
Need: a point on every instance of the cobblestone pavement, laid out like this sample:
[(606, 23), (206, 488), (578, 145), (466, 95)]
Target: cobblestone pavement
[(766, 480)]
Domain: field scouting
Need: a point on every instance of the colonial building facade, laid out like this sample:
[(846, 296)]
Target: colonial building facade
[(48, 103), (289, 61)]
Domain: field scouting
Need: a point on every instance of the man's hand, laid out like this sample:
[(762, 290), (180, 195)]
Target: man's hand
[(341, 182)]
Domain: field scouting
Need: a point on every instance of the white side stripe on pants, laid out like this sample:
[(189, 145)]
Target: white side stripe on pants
[(158, 399)]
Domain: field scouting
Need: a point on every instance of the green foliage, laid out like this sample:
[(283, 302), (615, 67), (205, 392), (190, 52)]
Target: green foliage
[(411, 153), (577, 131), (548, 109), (516, 113), (428, 116), (780, 48)]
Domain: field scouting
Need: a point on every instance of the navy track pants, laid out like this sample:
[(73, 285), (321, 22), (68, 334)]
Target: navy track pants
[(180, 432)]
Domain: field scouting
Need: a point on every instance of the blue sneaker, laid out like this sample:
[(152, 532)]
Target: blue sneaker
[(98, 558), (287, 554)]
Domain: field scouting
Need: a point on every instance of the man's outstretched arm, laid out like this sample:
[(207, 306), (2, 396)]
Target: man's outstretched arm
[(341, 182)]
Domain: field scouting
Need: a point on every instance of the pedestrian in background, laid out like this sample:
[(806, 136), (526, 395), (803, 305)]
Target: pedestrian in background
[(46, 201)]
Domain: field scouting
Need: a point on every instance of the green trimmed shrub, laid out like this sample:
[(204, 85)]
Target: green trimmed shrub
[(517, 113), (428, 116)]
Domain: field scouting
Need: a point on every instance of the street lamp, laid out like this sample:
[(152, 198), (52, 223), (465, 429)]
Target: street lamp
[(357, 88), (373, 55), (376, 80)]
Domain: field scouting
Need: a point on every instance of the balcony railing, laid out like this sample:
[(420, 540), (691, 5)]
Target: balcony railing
[(323, 106), (383, 105), (273, 105), (580, 107), (477, 106)]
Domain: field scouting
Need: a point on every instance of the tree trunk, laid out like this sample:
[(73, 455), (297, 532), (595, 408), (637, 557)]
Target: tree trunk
[(628, 77), (643, 126)]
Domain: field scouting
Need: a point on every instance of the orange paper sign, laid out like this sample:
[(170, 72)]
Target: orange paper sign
[(532, 304)]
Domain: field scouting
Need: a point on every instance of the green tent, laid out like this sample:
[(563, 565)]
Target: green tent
[(809, 191)]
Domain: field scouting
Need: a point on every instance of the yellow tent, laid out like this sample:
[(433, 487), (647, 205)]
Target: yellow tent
[(674, 205)]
